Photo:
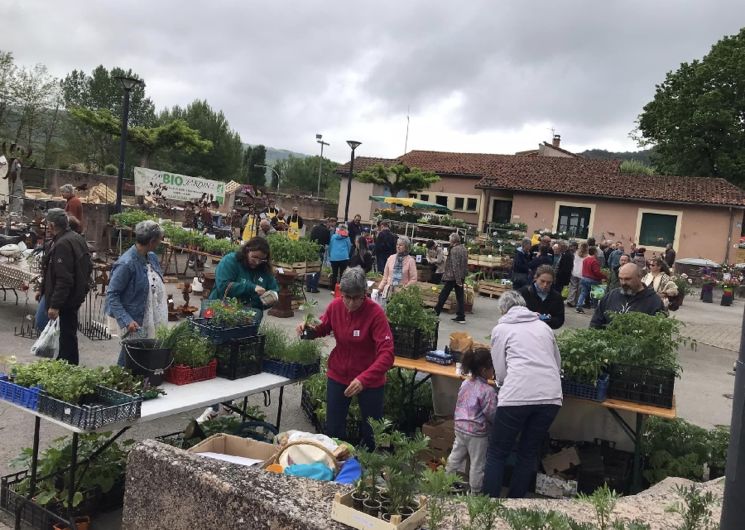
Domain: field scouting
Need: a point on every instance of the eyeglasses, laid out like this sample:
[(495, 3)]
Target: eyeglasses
[(254, 259)]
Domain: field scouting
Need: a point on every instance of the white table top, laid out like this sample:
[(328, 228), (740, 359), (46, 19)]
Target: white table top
[(186, 397)]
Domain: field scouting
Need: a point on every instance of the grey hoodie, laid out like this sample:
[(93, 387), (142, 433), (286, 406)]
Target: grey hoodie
[(526, 360)]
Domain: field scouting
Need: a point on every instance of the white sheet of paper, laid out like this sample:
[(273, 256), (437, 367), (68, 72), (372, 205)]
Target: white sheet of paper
[(242, 460), (370, 283), (280, 270)]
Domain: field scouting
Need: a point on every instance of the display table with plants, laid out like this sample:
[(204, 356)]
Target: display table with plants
[(300, 257), (414, 327)]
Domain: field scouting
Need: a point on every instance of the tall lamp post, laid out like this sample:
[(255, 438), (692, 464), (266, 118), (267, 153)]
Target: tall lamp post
[(128, 84), (319, 139), (354, 145), (273, 171)]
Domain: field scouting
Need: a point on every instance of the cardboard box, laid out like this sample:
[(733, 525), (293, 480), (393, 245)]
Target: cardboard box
[(555, 487), (343, 511), (440, 429), (561, 461), (235, 449)]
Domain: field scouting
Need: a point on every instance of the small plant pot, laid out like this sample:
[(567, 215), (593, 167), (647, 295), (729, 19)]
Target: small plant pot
[(359, 499), (406, 512), (308, 334), (81, 523), (371, 507)]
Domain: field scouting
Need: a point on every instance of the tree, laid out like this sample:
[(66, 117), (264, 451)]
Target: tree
[(635, 167), (225, 159), (32, 92), (695, 120), (7, 76), (301, 174), (175, 135), (253, 157), (398, 178)]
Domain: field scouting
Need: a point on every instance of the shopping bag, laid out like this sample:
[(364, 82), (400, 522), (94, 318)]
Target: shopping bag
[(47, 345)]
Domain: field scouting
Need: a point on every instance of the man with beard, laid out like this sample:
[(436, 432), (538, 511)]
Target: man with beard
[(632, 295)]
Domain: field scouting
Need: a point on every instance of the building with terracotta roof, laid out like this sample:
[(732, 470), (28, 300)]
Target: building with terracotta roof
[(700, 216)]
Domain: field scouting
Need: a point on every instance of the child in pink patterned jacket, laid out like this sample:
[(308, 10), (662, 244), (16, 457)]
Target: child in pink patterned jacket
[(474, 414)]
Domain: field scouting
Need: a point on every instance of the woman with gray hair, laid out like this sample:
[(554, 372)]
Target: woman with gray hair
[(362, 355), (400, 269), (527, 365), (136, 297)]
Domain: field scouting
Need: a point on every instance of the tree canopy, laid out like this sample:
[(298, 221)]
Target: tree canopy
[(696, 120), (253, 158), (398, 178), (301, 174)]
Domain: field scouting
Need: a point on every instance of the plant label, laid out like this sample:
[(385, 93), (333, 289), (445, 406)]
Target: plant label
[(356, 333), (280, 270), (419, 259)]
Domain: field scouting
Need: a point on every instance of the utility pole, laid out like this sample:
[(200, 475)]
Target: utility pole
[(319, 139)]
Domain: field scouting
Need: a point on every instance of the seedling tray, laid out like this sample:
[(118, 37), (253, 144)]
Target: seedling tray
[(180, 374), (34, 515), (291, 370), (649, 386), (221, 335), (240, 358), (105, 407), (413, 343), (597, 392), (20, 395), (343, 511)]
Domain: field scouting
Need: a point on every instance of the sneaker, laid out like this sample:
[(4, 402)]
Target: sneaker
[(580, 310), (459, 320)]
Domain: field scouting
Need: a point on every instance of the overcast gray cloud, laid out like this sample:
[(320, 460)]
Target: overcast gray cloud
[(489, 76)]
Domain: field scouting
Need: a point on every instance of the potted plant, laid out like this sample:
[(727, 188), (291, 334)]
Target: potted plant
[(414, 328), (193, 356), (585, 357), (310, 322), (291, 358), (729, 283), (684, 285), (226, 320), (708, 282)]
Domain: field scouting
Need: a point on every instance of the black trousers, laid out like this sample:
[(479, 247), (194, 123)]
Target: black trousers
[(337, 269), (459, 298), (68, 335)]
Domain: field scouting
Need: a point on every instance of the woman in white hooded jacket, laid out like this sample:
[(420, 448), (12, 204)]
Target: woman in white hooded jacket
[(527, 366)]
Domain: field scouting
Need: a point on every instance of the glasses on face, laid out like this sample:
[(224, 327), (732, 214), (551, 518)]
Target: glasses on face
[(256, 259), (652, 264)]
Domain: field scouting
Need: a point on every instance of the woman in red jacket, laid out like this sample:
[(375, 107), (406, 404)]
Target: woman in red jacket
[(591, 276), (361, 357)]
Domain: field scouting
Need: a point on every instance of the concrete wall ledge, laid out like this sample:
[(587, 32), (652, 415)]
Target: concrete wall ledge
[(170, 489)]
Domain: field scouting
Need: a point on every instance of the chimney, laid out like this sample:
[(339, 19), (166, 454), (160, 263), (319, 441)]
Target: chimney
[(557, 140)]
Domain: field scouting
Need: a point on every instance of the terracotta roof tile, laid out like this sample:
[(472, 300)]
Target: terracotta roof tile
[(362, 163)]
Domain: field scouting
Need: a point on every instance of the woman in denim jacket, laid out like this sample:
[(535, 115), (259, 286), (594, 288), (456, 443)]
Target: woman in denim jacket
[(135, 277)]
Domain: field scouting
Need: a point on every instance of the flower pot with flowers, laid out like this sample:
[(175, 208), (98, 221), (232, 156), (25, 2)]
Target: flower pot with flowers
[(685, 286), (708, 282), (731, 279)]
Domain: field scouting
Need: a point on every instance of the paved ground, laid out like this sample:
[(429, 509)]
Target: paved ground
[(700, 392)]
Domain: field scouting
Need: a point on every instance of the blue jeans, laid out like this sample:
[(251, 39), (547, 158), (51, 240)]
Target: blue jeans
[(41, 318), (531, 422), (585, 285), (337, 409)]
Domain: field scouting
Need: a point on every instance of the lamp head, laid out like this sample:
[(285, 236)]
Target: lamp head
[(128, 83), (319, 136), (353, 144)]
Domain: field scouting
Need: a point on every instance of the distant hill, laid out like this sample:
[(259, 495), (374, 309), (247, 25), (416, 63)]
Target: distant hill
[(273, 155), (602, 154)]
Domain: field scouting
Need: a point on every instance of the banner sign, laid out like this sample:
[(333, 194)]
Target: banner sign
[(176, 187)]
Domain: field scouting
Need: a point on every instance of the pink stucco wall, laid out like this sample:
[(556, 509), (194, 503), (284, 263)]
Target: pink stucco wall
[(704, 231)]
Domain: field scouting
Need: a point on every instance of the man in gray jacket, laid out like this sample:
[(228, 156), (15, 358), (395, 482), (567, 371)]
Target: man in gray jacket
[(456, 268)]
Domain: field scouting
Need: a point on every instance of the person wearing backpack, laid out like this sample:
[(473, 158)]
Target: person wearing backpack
[(67, 269)]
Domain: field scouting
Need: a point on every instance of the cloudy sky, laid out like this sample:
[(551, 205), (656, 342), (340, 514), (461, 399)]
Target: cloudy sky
[(478, 76)]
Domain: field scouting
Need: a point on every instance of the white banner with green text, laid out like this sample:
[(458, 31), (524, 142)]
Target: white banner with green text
[(151, 182)]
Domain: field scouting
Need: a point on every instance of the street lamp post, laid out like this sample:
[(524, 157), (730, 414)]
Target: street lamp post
[(128, 84), (353, 145), (319, 139), (273, 171)]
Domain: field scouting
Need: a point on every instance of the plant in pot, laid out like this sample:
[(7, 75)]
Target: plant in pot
[(585, 356), (229, 313), (310, 322), (191, 352), (414, 327)]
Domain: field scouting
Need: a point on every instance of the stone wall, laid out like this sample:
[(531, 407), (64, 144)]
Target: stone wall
[(170, 489)]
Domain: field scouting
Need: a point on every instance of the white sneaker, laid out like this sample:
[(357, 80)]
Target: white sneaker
[(208, 414)]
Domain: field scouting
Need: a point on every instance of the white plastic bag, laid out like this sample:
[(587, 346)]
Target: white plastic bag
[(47, 345)]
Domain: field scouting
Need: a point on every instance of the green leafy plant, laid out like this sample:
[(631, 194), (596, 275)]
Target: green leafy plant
[(483, 512), (685, 458), (695, 508), (101, 473), (437, 485), (603, 500), (189, 347), (122, 380), (230, 313), (131, 217), (285, 250), (59, 379), (279, 346), (406, 308), (585, 354)]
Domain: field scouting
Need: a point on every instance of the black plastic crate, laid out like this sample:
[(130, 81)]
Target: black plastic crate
[(603, 464), (596, 392), (32, 514), (413, 343), (291, 370), (221, 335), (650, 386), (306, 403), (105, 407), (240, 358)]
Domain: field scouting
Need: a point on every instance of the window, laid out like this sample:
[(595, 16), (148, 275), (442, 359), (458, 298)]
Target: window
[(574, 220), (459, 201), (471, 205), (501, 211), (442, 200), (657, 230), (412, 195), (424, 197)]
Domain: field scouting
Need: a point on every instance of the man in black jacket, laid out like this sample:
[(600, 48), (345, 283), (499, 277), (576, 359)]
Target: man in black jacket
[(564, 267), (541, 298), (67, 270), (321, 235), (632, 295), (385, 245)]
